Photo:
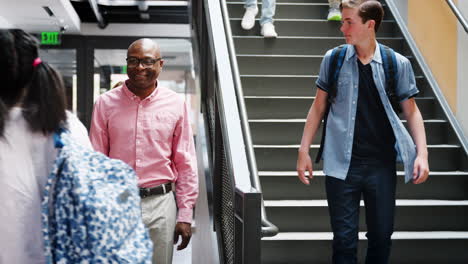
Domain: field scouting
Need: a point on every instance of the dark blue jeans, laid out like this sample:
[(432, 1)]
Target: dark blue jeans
[(376, 182)]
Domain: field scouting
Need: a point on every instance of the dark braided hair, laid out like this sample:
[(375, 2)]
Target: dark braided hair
[(9, 92), (38, 89)]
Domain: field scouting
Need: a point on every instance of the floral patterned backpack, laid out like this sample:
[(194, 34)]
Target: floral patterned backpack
[(91, 209)]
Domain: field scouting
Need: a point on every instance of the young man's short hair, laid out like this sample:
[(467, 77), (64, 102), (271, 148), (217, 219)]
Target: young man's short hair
[(368, 10)]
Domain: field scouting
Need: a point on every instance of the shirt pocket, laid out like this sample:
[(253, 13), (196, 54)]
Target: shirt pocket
[(342, 86), (162, 126)]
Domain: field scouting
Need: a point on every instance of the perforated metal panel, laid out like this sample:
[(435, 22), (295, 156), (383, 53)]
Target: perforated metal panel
[(227, 209)]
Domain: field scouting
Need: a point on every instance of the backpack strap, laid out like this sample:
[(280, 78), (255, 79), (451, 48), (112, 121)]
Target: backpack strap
[(334, 68), (390, 69)]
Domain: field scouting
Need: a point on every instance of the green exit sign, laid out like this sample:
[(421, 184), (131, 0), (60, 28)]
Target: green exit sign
[(50, 38)]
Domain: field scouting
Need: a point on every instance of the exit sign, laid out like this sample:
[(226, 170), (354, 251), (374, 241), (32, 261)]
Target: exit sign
[(50, 38)]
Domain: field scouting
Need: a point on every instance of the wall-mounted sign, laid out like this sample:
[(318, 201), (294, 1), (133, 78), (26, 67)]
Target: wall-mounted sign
[(50, 38)]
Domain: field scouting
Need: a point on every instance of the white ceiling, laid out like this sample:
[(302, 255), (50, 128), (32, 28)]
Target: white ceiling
[(30, 16)]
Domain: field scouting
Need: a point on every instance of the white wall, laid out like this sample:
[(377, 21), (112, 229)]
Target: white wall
[(4, 23), (462, 82)]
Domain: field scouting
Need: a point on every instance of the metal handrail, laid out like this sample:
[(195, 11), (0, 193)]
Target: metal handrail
[(268, 229), (430, 77), (458, 14)]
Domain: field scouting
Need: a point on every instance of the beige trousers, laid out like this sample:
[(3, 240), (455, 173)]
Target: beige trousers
[(159, 216)]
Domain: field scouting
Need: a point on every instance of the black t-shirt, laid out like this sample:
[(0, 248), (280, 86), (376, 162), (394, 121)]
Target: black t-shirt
[(373, 135)]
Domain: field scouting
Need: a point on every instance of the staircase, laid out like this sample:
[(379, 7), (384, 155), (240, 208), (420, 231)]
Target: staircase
[(278, 77)]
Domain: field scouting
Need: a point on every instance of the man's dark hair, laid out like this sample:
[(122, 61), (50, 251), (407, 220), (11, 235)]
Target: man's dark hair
[(367, 10), (38, 89)]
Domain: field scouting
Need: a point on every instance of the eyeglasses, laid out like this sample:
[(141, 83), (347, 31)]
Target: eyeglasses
[(133, 62)]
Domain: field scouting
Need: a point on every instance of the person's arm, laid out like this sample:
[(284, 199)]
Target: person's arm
[(185, 161), (416, 127), (406, 91), (314, 118), (98, 133)]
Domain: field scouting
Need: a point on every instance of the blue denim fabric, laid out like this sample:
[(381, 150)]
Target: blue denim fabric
[(376, 182), (268, 9), (340, 123)]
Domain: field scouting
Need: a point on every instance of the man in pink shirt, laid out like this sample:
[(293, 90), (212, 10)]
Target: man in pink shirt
[(147, 126)]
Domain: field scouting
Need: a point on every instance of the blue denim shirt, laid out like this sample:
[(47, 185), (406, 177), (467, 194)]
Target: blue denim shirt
[(340, 123)]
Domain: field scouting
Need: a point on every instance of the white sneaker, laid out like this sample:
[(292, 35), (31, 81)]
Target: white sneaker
[(248, 21), (334, 15), (268, 30)]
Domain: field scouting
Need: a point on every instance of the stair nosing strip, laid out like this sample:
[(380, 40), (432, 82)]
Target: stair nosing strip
[(321, 174), (284, 3), (292, 76), (277, 97), (399, 202), (288, 3), (397, 235), (311, 97), (300, 20), (303, 120), (311, 37), (278, 56), (296, 146), (276, 76), (288, 56)]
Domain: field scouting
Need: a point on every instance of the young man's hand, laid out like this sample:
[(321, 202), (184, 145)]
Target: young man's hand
[(304, 163), (421, 170), (185, 231)]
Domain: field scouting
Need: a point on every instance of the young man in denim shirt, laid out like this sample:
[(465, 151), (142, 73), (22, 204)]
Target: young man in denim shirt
[(365, 137)]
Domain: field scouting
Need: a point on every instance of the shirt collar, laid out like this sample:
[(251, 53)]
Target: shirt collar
[(132, 96), (351, 52)]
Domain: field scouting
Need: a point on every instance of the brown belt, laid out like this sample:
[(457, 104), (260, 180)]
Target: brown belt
[(160, 189)]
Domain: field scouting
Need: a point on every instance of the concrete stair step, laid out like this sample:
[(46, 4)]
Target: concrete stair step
[(298, 85), (407, 248), (299, 45), (289, 131), (313, 215), (260, 64), (283, 157), (309, 27), (291, 11), (285, 185), (269, 107)]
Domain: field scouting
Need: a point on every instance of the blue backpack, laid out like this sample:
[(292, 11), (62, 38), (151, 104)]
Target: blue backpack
[(91, 209), (336, 62)]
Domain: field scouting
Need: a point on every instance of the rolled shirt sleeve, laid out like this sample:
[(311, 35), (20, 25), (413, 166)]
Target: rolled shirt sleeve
[(406, 87), (322, 80)]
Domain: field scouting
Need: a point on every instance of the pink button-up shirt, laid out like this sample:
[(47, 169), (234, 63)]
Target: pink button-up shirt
[(153, 136)]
